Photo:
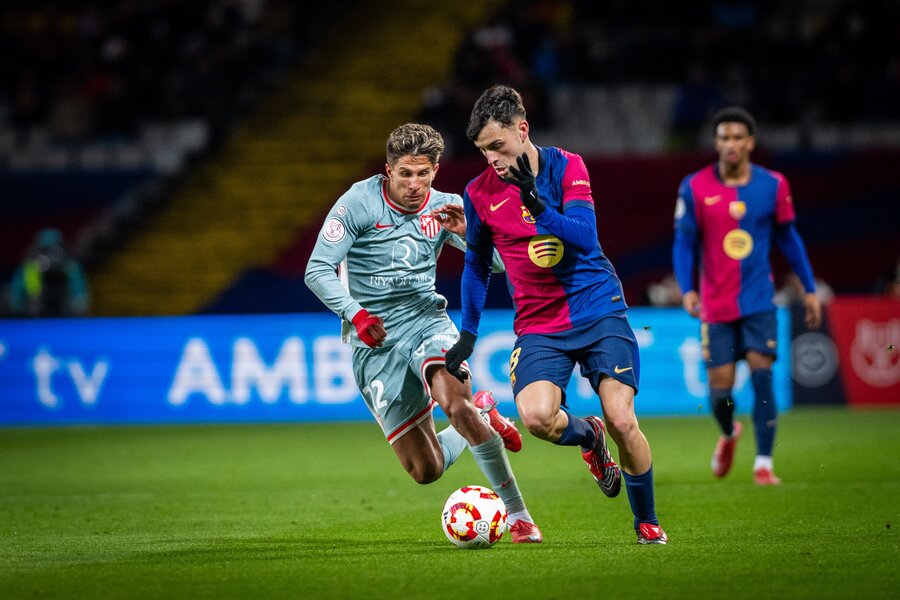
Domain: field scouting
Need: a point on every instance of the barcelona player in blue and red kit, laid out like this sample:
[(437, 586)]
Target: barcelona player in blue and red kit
[(730, 212), (534, 205)]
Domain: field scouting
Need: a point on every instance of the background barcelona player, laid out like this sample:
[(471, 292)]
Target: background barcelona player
[(535, 206), (730, 212)]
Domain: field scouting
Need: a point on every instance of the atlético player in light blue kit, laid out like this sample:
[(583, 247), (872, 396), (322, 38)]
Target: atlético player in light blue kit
[(534, 205), (729, 212), (374, 265)]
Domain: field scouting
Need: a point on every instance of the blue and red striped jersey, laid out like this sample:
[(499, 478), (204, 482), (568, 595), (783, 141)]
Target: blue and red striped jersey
[(554, 285)]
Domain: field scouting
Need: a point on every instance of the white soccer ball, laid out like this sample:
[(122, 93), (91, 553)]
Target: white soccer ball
[(474, 517)]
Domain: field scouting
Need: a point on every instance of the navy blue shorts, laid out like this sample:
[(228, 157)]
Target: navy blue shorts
[(725, 343), (606, 347)]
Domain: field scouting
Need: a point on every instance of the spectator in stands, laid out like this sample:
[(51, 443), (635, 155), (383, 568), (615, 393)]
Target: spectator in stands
[(49, 282), (135, 61)]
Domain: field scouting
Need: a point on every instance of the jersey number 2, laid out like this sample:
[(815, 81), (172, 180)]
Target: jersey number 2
[(375, 391)]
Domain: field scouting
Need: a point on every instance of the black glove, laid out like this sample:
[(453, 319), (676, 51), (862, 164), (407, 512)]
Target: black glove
[(523, 178), (460, 351)]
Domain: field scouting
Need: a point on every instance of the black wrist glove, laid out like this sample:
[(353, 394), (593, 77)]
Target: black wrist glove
[(460, 351), (523, 178)]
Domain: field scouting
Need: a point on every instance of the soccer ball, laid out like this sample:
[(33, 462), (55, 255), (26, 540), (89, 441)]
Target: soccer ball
[(474, 517)]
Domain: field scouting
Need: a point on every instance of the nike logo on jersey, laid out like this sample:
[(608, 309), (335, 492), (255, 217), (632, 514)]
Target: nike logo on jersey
[(498, 205), (710, 200), (619, 371), (380, 226)]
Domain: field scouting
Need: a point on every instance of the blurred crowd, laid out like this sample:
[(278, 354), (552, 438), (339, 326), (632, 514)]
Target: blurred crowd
[(96, 70), (808, 61)]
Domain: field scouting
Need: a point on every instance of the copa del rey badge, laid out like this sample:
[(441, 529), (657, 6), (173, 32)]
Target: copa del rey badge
[(430, 226)]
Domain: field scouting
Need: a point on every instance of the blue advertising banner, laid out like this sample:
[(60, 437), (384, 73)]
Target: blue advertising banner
[(673, 376), (253, 368)]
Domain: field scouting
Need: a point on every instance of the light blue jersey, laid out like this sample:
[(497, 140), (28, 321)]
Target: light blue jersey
[(374, 254)]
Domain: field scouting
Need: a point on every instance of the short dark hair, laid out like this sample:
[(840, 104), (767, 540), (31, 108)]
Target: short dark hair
[(734, 114), (500, 103)]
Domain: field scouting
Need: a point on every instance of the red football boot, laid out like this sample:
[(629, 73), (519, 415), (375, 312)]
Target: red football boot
[(604, 469), (648, 533), (724, 453), (512, 439), (524, 532), (765, 477)]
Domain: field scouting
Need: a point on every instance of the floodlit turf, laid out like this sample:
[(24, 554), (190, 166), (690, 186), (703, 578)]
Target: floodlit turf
[(325, 511)]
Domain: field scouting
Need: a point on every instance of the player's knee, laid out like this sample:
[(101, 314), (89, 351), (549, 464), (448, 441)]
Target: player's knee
[(537, 423), (460, 413), (622, 426)]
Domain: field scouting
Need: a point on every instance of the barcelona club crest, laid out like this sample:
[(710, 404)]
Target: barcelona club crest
[(737, 209), (430, 226), (526, 216)]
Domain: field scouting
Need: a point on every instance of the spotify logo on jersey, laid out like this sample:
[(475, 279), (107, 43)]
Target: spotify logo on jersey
[(545, 250), (738, 244)]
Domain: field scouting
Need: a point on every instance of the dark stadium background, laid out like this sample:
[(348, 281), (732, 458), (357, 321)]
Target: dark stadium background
[(112, 115), (188, 151)]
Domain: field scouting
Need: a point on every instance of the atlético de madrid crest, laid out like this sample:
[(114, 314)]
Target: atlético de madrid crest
[(430, 226)]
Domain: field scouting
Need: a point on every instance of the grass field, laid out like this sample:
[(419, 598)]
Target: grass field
[(325, 511)]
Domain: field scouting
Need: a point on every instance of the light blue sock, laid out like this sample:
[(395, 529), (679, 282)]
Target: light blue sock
[(493, 462), (452, 444)]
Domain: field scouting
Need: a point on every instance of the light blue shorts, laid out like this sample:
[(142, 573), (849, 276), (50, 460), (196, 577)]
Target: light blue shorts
[(392, 379)]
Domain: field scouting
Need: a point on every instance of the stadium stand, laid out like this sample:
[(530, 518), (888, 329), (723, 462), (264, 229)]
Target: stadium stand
[(623, 77), (196, 160), (302, 143), (593, 73), (105, 102)]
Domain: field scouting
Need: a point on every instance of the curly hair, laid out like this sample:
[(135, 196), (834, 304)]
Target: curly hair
[(414, 139)]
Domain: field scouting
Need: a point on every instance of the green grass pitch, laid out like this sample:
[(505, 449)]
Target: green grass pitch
[(326, 511)]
